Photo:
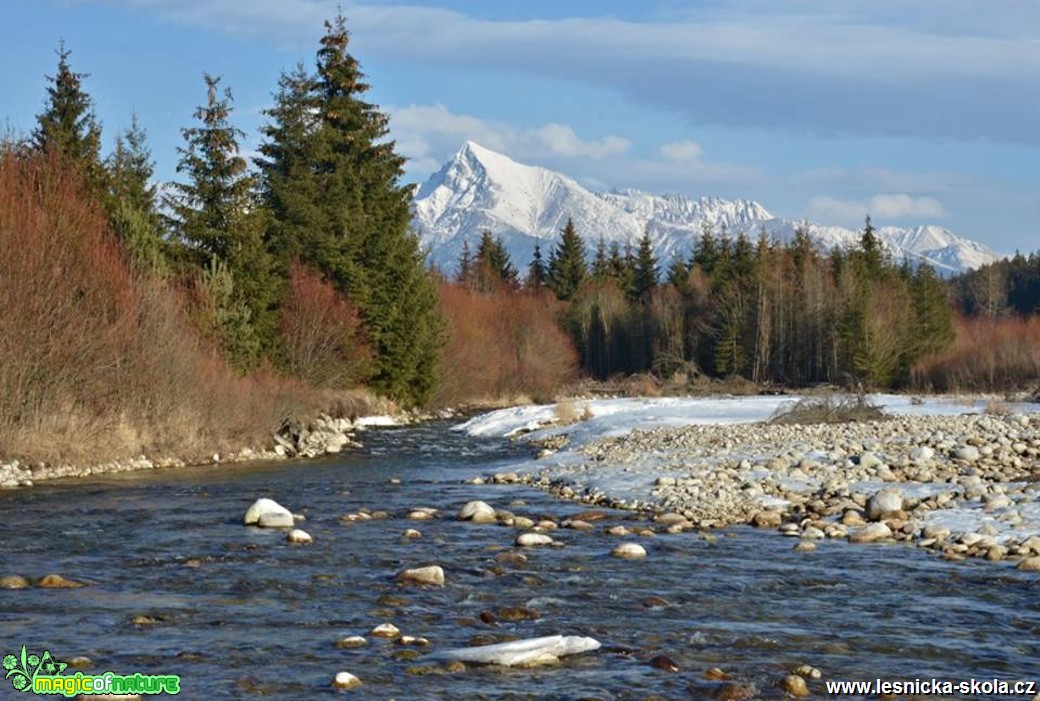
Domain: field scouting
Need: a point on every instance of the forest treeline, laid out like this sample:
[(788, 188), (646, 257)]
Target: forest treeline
[(244, 293)]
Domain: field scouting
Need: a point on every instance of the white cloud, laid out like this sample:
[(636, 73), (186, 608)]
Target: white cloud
[(426, 133), (561, 140), (881, 207), (682, 151)]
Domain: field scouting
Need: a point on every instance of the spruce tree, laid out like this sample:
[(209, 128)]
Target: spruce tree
[(332, 186), (567, 267), (600, 262), (646, 274), (131, 199), (465, 276), (208, 209), (536, 272), (494, 268), (67, 126), (213, 217)]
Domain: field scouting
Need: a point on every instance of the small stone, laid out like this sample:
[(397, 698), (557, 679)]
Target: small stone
[(656, 602), (351, 642), (805, 546), (617, 531), (517, 613), (477, 512), (299, 537), (14, 581), (767, 519), (629, 551), (144, 620), (808, 672), (411, 534), (414, 640), (56, 581), (715, 674), (345, 680), (424, 514), (528, 540), (80, 662), (871, 534), (883, 502), (794, 685), (429, 576), (385, 630), (967, 453), (665, 663), (1030, 564)]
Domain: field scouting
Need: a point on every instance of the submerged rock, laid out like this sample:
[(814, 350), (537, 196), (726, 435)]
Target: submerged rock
[(528, 540), (345, 680), (56, 581), (299, 537), (629, 551), (523, 653)]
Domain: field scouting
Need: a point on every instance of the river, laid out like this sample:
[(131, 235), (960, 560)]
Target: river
[(238, 612)]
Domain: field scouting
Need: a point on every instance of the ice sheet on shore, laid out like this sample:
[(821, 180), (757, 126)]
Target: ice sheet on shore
[(616, 417), (526, 653), (634, 481)]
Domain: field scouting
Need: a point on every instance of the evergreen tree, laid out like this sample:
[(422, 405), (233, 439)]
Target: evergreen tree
[(290, 181), (67, 126), (872, 253), (678, 274), (213, 217), (332, 185), (493, 265), (600, 262), (706, 251), (536, 272), (208, 210), (933, 327), (132, 198), (646, 272), (567, 268), (465, 275)]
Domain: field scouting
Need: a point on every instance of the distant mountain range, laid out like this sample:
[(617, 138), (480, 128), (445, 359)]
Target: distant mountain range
[(479, 189)]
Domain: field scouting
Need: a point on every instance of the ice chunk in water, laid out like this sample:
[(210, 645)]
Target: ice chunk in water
[(530, 652)]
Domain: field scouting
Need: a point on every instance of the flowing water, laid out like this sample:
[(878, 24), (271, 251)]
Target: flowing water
[(240, 613)]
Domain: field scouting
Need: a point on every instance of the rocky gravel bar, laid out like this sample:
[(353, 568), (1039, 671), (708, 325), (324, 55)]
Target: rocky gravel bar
[(965, 486)]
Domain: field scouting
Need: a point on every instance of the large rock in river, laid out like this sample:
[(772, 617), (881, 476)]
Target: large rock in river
[(267, 513)]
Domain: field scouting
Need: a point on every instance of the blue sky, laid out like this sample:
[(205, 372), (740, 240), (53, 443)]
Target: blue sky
[(918, 111)]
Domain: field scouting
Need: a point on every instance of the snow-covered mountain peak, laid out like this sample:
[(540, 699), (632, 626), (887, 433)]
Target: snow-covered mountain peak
[(480, 189)]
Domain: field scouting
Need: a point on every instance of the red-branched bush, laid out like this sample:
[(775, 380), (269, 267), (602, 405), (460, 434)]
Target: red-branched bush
[(500, 345), (987, 354), (97, 362), (322, 338)]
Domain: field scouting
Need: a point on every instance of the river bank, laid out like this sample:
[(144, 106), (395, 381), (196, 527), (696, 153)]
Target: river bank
[(940, 474), (321, 436)]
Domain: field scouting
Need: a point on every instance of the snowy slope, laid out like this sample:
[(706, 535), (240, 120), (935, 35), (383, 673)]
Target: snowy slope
[(480, 189)]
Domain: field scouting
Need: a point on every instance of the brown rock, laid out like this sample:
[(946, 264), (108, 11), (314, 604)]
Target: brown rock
[(664, 662), (767, 519), (715, 674), (517, 613), (794, 685), (56, 581), (14, 581)]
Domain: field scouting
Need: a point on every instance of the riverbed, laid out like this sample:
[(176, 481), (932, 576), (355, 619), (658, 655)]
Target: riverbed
[(177, 585)]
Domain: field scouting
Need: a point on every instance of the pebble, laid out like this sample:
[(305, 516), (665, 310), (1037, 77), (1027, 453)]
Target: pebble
[(665, 663), (14, 581), (432, 575), (385, 630), (477, 512), (528, 540), (794, 685), (56, 581), (351, 642), (871, 533), (1030, 564), (411, 533), (345, 680), (299, 537), (629, 551)]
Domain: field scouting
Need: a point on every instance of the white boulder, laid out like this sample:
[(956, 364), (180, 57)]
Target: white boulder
[(267, 513)]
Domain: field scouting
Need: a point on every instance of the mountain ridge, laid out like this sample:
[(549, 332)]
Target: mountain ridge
[(480, 189)]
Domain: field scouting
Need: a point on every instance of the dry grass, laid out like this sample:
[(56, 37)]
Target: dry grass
[(987, 355), (568, 412)]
